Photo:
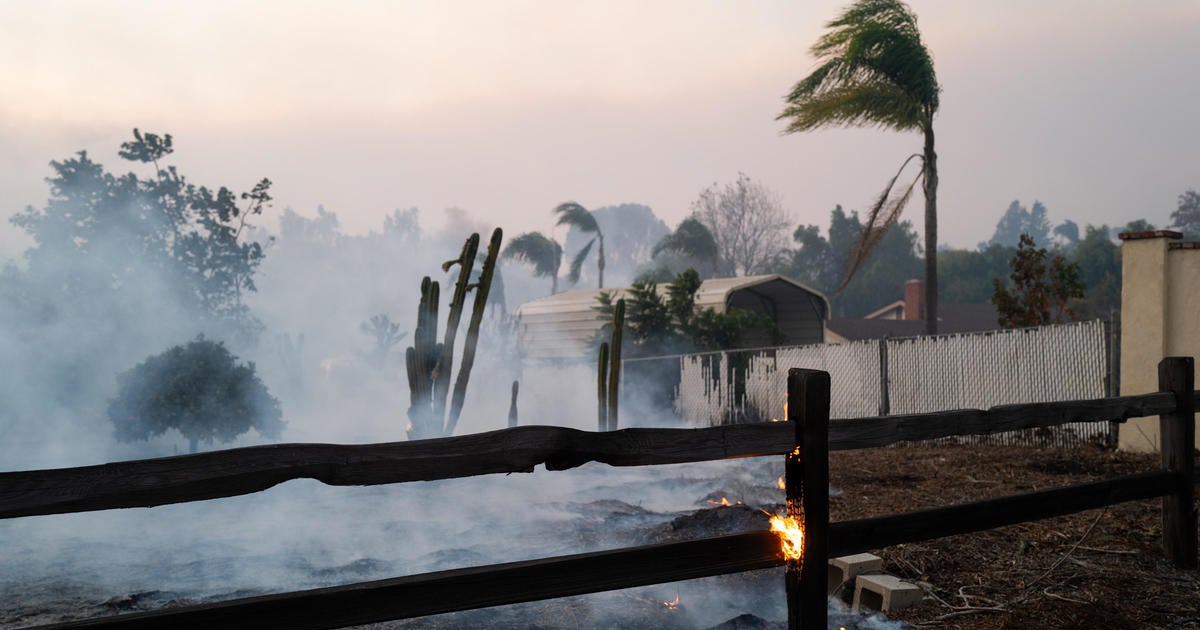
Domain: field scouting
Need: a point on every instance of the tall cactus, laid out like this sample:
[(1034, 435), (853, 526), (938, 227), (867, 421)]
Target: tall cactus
[(608, 372), (614, 360), (430, 363), (482, 289), (602, 388)]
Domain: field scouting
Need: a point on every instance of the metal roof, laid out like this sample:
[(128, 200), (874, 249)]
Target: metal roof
[(564, 324)]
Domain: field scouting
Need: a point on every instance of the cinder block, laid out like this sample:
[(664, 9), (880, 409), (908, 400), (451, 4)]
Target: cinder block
[(846, 568), (884, 593)]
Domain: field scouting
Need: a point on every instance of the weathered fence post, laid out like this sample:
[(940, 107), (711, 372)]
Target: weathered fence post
[(806, 479), (1177, 430)]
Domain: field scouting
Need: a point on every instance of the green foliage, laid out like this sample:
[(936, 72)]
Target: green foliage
[(964, 273), (874, 70), (1138, 225), (1018, 220), (544, 254), (1039, 293), (100, 234), (199, 389), (1186, 217), (694, 240), (659, 324), (578, 217), (430, 363), (1069, 231), (1099, 261), (820, 262)]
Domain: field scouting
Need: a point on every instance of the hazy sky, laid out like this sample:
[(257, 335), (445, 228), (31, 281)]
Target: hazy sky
[(506, 109)]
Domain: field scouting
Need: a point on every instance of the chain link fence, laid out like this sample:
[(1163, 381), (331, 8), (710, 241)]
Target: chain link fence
[(905, 375)]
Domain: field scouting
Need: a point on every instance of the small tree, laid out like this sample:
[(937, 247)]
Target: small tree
[(1186, 216), (386, 335), (199, 389), (658, 324), (1040, 292), (747, 223)]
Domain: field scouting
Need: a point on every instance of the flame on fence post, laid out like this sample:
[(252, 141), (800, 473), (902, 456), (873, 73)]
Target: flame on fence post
[(804, 531)]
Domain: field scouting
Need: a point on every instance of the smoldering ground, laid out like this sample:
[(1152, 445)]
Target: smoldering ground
[(316, 287)]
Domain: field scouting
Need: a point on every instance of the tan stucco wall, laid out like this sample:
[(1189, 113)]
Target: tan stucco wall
[(1160, 317)]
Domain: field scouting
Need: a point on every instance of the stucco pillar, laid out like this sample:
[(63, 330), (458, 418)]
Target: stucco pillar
[(1160, 317)]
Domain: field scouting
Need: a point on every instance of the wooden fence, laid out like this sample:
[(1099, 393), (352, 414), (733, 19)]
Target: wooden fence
[(147, 483)]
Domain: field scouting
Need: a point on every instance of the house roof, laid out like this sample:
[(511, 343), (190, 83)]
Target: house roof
[(564, 324), (953, 317)]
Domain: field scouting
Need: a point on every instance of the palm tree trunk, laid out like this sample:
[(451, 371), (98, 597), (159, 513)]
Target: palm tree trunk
[(931, 281), (601, 258)]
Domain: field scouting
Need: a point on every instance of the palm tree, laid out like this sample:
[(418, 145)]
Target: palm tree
[(576, 216), (692, 239), (544, 254), (874, 70)]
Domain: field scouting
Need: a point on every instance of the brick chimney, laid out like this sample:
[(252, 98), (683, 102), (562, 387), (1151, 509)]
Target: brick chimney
[(914, 299)]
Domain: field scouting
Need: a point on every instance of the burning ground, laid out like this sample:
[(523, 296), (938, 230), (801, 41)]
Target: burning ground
[(1100, 568)]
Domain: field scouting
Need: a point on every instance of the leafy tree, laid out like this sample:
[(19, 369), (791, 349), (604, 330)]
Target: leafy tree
[(747, 222), (1018, 220), (814, 262), (1139, 225), (694, 240), (1186, 217), (199, 389), (1039, 293), (964, 272), (542, 253), (658, 324), (1068, 231), (1099, 261), (102, 234), (874, 70), (578, 217), (820, 263)]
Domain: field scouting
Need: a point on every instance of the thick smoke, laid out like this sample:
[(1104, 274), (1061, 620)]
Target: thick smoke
[(74, 317)]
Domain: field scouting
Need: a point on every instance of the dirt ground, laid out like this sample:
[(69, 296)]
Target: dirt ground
[(1097, 569), (1101, 569)]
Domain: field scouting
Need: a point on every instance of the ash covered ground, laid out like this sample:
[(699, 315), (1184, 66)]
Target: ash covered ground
[(1102, 565)]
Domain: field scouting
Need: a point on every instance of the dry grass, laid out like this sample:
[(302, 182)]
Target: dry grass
[(1096, 569)]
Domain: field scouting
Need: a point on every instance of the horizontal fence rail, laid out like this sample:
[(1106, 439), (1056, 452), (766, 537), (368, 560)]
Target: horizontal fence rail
[(579, 574), (233, 472)]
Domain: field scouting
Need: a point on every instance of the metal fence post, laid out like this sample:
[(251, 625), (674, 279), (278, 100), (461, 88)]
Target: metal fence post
[(885, 404)]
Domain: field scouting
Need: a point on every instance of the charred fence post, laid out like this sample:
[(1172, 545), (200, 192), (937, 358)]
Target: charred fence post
[(806, 478), (1177, 430)]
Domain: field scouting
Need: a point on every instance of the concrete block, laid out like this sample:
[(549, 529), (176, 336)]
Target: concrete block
[(883, 593), (846, 568)]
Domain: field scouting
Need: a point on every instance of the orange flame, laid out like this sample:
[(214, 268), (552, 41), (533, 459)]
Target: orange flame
[(672, 605), (723, 501), (791, 536), (781, 484)]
